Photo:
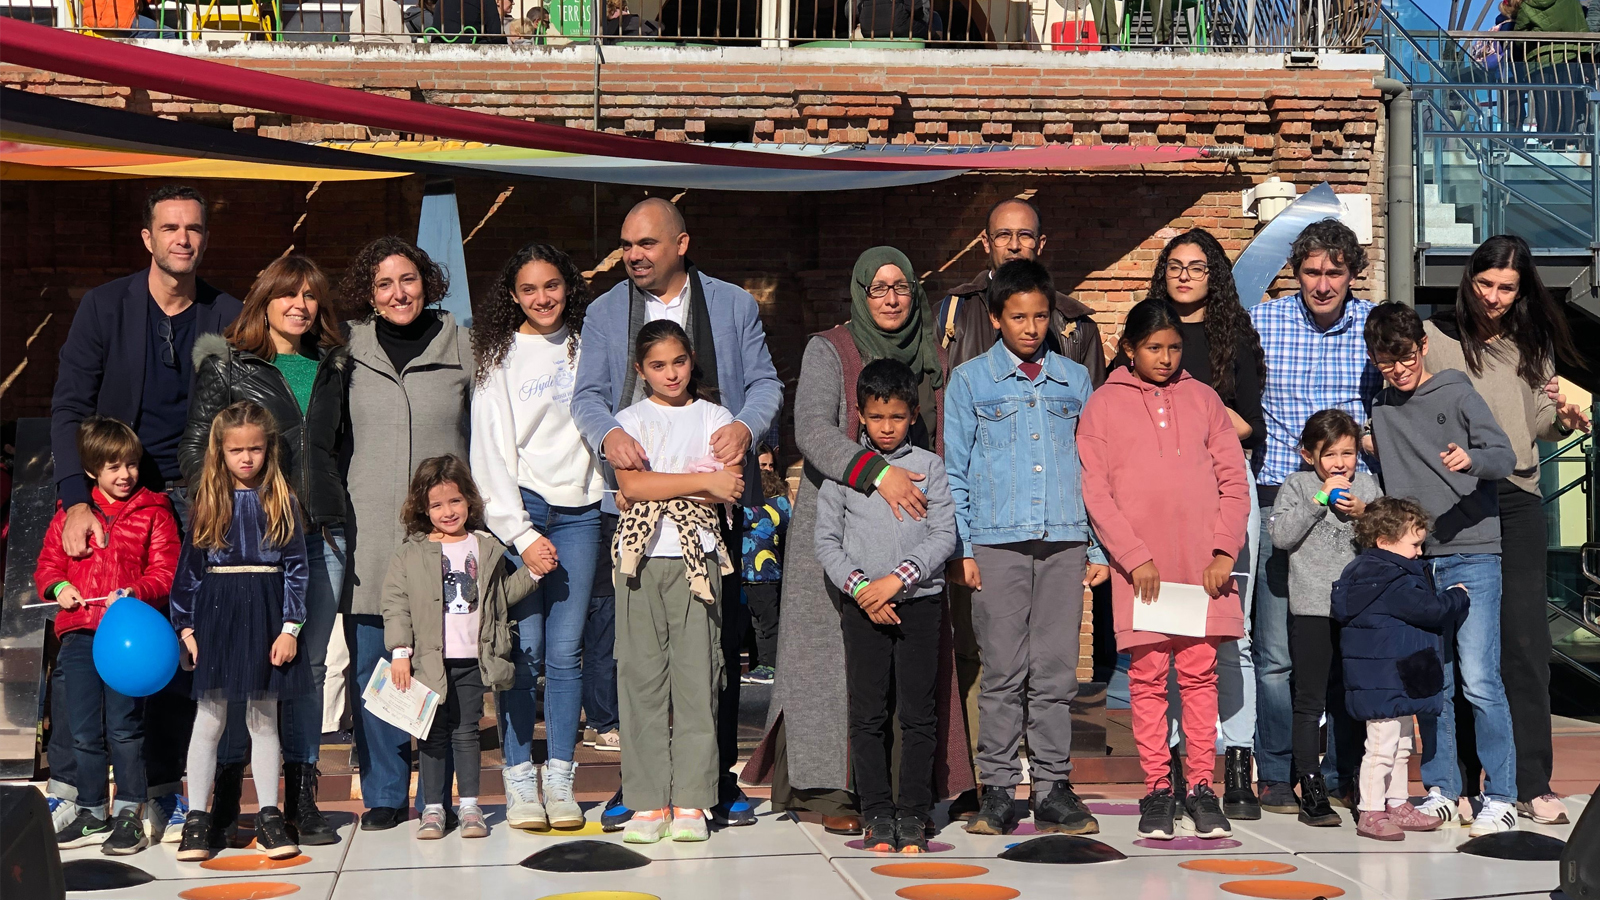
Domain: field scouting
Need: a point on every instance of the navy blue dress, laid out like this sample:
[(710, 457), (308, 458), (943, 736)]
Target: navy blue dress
[(237, 615)]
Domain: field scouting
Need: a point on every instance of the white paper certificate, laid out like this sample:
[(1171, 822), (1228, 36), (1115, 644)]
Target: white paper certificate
[(1180, 609), (410, 710)]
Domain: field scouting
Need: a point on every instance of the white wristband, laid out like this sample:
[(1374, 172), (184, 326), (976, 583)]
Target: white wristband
[(292, 629), (401, 653)]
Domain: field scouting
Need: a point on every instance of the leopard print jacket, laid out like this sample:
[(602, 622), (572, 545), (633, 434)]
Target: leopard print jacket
[(637, 526)]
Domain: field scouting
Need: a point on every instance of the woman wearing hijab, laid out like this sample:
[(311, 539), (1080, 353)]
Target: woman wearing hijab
[(889, 319)]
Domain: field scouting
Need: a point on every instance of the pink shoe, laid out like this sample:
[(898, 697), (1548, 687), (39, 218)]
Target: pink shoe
[(1378, 826), (1409, 818)]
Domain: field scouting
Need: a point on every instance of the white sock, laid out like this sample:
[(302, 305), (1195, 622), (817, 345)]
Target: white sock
[(468, 801)]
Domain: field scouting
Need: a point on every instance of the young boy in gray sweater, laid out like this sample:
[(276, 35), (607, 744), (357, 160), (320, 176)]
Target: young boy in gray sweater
[(1314, 520), (893, 571), (1438, 443)]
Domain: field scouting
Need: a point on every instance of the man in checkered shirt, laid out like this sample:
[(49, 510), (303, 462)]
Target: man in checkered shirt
[(1316, 360)]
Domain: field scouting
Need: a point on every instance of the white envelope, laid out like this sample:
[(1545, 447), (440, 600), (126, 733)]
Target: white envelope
[(1180, 609)]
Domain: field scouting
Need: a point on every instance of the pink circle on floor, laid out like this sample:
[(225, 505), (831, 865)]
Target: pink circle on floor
[(1189, 842), (1026, 828), (1114, 809), (933, 847)]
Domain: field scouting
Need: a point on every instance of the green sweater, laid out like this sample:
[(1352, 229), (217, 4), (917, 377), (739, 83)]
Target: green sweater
[(300, 372), (1551, 16)]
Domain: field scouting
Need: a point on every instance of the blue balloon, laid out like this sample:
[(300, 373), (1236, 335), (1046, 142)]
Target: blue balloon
[(135, 648)]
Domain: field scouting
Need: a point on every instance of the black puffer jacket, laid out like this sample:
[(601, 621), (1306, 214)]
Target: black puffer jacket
[(312, 444)]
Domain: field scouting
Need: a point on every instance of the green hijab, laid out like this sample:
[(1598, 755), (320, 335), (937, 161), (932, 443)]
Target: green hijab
[(914, 343)]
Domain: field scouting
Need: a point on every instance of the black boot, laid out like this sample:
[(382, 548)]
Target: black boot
[(1180, 784), (226, 795), (307, 825), (1314, 806), (1238, 800)]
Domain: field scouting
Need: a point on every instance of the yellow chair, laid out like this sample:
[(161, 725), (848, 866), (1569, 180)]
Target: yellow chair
[(246, 18)]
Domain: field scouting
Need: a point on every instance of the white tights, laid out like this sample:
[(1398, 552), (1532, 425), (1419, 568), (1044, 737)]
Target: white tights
[(211, 717)]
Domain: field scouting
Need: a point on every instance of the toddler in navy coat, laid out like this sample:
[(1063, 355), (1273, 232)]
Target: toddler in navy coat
[(1393, 668)]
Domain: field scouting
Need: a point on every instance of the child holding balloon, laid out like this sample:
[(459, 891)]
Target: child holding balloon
[(238, 602), (138, 560)]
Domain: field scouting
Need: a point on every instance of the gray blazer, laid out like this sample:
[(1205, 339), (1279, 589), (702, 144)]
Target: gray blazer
[(397, 420), (858, 531)]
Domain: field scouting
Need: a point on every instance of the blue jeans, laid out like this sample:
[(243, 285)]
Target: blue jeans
[(383, 750), (550, 624), (1269, 645), (1476, 650), (300, 718), (107, 728)]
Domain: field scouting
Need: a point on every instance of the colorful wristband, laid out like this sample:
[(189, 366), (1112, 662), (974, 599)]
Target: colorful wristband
[(1321, 497)]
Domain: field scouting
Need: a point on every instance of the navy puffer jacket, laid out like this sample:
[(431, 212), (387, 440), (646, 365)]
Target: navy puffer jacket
[(1393, 619)]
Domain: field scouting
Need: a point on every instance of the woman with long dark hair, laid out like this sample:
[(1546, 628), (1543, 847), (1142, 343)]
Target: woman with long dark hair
[(410, 382), (542, 488), (1222, 351), (1506, 332), (285, 353)]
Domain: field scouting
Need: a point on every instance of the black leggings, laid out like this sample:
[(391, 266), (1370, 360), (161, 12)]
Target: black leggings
[(455, 727), (1318, 686)]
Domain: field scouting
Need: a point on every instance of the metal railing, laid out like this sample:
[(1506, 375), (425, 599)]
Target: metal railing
[(1048, 25)]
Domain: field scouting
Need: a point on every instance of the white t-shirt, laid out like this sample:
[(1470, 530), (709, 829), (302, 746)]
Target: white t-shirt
[(676, 440), (459, 570)]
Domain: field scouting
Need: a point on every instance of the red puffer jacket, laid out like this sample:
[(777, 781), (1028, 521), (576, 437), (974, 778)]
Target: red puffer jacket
[(141, 552)]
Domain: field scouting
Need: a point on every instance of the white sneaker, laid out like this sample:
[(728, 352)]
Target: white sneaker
[(689, 825), (561, 809), (1437, 807), (62, 812), (1496, 816), (646, 830), (523, 809)]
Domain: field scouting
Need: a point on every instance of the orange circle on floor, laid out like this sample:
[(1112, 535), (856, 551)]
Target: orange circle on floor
[(930, 870), (1238, 866), (601, 895), (252, 863), (957, 892), (242, 890), (1272, 889)]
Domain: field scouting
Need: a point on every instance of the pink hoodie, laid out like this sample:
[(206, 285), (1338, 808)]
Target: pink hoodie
[(1164, 482)]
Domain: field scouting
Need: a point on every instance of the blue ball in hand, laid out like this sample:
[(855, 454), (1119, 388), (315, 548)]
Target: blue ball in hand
[(1337, 494), (135, 649)]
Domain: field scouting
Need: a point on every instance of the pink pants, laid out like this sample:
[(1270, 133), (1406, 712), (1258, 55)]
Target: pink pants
[(1196, 660)]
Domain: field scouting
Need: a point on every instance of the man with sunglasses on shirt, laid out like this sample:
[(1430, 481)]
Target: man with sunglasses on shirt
[(128, 355)]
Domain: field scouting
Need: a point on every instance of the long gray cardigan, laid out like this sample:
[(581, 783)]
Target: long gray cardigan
[(397, 420)]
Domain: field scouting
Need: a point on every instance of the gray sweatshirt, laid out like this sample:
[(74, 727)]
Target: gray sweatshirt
[(1411, 430), (859, 531), (1320, 539)]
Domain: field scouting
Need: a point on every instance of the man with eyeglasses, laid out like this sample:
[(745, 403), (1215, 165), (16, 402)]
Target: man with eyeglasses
[(1014, 231), (1316, 359), (128, 356)]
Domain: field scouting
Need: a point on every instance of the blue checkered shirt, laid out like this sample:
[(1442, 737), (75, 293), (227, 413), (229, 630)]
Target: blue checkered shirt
[(1309, 370)]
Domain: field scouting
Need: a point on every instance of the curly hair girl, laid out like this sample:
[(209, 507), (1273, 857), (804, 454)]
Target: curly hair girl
[(1227, 323), (501, 313)]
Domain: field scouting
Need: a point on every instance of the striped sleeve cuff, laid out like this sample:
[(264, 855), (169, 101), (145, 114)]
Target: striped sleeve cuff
[(865, 470), (909, 573)]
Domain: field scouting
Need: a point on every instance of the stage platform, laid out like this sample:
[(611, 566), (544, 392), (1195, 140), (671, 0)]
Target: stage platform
[(781, 859)]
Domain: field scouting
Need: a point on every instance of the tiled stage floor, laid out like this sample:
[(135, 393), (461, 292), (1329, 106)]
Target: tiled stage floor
[(778, 859)]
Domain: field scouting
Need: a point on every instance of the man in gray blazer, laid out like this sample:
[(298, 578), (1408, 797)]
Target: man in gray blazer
[(731, 356)]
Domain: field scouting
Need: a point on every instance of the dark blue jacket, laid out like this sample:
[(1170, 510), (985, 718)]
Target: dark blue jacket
[(1392, 619), (102, 365)]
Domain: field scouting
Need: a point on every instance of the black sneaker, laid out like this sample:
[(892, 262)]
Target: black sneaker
[(83, 831), (997, 812), (1314, 806), (272, 835), (195, 846), (1238, 801), (1205, 813), (1278, 797), (733, 807), (127, 835), (911, 833), (1062, 811), (964, 806), (880, 835), (382, 818), (615, 814), (1156, 815)]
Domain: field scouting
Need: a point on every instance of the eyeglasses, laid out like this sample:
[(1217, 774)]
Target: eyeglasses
[(879, 290), (1389, 365), (1024, 238), (1196, 270), (169, 353)]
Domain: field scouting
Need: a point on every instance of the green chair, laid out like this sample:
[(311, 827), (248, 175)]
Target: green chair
[(1199, 30)]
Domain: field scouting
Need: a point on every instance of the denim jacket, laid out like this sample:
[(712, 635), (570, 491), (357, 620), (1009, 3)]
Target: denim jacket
[(1011, 451)]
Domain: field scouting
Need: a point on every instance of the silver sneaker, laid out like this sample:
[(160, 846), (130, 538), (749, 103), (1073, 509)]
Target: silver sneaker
[(432, 826), (523, 809), (563, 811), (473, 824)]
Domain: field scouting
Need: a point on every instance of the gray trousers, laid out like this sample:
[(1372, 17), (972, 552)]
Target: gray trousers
[(669, 673), (1027, 618)]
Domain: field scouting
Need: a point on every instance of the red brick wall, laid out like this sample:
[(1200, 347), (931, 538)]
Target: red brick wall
[(59, 239)]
